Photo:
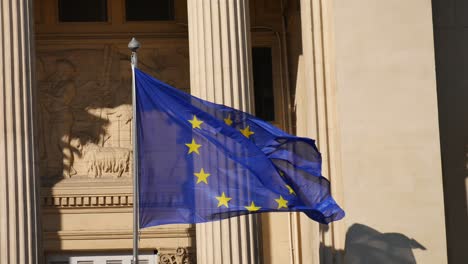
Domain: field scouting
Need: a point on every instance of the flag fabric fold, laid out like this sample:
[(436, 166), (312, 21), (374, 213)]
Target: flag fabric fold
[(200, 162)]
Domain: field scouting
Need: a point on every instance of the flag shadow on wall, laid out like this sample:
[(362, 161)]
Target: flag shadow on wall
[(366, 245)]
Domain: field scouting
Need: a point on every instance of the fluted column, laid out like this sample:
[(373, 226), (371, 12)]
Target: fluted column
[(316, 118), (18, 210), (221, 72)]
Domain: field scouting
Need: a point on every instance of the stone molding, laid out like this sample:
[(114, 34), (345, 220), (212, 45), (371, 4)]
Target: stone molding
[(81, 194), (120, 234), (87, 201)]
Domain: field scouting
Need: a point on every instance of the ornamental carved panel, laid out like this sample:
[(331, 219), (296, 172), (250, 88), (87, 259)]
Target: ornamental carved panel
[(176, 256), (84, 104)]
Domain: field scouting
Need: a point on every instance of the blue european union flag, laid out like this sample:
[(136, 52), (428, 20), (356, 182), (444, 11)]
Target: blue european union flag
[(201, 162)]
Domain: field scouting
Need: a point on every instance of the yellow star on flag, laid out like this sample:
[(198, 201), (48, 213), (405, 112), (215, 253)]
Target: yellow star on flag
[(282, 203), (252, 207), (202, 176), (246, 132), (195, 122), (228, 120), (193, 147), (223, 200), (291, 191)]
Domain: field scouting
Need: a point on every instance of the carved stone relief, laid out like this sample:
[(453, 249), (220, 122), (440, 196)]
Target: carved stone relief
[(85, 112), (178, 256)]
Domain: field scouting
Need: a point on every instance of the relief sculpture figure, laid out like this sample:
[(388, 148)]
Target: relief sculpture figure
[(56, 106), (112, 156), (107, 160)]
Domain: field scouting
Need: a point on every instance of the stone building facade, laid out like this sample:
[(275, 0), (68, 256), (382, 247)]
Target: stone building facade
[(358, 76)]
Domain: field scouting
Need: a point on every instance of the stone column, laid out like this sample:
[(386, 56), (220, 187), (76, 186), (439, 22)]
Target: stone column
[(18, 185), (316, 118), (221, 72)]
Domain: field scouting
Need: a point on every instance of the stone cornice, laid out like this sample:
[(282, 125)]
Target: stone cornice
[(82, 195), (106, 36), (162, 232), (87, 201)]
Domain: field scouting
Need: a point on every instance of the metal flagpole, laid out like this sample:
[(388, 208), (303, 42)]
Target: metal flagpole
[(133, 45)]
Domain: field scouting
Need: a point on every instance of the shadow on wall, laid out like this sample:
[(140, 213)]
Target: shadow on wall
[(366, 245)]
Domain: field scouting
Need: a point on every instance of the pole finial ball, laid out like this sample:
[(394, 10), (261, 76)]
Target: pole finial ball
[(133, 45)]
